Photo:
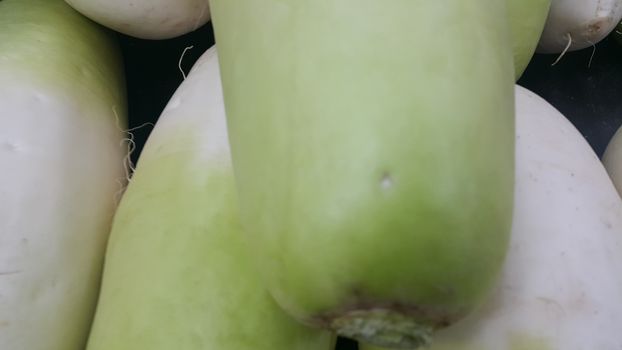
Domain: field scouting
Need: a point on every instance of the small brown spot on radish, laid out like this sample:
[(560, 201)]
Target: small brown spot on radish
[(607, 224), (594, 30), (594, 27)]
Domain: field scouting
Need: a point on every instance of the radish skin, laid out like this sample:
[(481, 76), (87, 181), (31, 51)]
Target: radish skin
[(62, 166), (146, 19), (177, 274), (561, 284), (527, 18), (342, 148), (612, 159), (576, 24)]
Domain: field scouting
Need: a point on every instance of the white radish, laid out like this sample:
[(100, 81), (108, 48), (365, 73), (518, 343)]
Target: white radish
[(561, 283), (146, 19), (612, 159), (178, 274), (62, 162), (576, 24)]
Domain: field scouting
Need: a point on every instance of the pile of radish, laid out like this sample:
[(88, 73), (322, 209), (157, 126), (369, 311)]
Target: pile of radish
[(329, 170)]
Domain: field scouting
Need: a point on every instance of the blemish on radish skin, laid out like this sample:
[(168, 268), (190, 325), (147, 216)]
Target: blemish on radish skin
[(9, 146), (607, 224), (593, 28), (386, 182)]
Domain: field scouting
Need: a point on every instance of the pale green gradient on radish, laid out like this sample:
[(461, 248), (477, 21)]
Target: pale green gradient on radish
[(47, 42), (561, 282), (177, 273), (373, 149), (62, 107)]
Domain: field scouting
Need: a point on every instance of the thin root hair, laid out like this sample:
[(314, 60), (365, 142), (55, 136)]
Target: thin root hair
[(565, 49)]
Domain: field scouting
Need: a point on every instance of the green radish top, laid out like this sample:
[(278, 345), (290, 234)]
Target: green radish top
[(70, 60)]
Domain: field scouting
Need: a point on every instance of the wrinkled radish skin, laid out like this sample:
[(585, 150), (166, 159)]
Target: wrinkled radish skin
[(576, 24)]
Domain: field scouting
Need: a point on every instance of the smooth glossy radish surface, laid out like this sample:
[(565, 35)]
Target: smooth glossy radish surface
[(146, 19), (527, 18), (62, 108)]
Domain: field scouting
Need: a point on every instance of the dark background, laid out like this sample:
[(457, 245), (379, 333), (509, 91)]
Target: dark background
[(589, 95), (586, 86)]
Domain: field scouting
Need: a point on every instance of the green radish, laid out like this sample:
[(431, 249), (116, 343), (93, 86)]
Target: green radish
[(177, 274), (373, 149), (527, 19), (62, 108)]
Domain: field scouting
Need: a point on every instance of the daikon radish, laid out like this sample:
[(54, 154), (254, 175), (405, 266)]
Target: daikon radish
[(561, 282), (576, 24), (62, 108), (373, 149), (146, 19), (178, 273)]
